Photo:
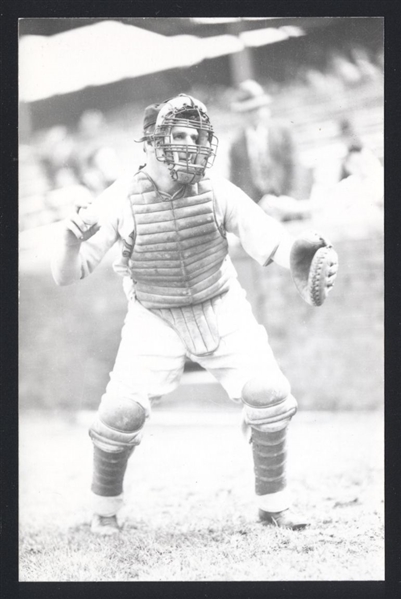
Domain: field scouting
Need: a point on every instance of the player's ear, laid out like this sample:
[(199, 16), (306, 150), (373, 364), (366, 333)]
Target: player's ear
[(148, 147)]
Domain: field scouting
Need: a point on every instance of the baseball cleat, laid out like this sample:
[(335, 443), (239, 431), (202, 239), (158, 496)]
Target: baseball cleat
[(104, 525), (282, 519)]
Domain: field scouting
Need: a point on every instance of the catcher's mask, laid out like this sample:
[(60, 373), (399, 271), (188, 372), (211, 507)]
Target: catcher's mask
[(186, 162)]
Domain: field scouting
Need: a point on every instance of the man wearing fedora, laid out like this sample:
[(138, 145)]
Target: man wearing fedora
[(262, 155)]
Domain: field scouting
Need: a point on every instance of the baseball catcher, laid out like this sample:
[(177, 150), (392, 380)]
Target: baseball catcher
[(170, 220)]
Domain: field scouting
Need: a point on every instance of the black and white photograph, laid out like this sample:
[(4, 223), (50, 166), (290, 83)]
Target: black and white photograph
[(201, 299)]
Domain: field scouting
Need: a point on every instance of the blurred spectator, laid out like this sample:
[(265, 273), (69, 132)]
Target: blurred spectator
[(353, 208), (352, 145), (344, 68), (322, 83), (97, 163), (262, 156), (367, 68), (56, 156), (350, 208), (100, 169), (83, 159), (78, 165)]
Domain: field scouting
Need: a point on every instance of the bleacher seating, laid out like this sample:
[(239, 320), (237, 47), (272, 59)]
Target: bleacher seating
[(313, 116)]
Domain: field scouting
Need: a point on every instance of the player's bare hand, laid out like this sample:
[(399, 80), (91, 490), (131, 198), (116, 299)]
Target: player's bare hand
[(83, 223)]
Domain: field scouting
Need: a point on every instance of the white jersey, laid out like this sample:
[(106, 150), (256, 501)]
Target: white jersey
[(258, 233)]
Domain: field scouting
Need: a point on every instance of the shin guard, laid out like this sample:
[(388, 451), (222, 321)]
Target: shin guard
[(268, 409), (269, 457), (108, 471)]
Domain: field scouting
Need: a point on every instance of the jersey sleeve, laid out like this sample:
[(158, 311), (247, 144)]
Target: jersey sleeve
[(109, 207), (259, 234)]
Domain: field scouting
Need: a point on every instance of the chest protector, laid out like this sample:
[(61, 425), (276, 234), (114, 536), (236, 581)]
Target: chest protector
[(178, 256)]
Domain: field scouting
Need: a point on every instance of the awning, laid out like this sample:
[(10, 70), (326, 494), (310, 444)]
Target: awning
[(110, 51)]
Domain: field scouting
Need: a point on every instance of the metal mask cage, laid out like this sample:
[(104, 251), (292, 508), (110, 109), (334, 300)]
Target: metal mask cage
[(198, 156)]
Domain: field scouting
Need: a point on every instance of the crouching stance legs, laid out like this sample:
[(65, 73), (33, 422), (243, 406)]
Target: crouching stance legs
[(268, 409), (115, 432)]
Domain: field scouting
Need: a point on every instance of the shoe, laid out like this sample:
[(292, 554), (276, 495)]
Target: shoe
[(282, 519), (104, 525)]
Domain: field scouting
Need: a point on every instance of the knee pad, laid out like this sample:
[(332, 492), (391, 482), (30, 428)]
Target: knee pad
[(118, 424), (268, 403)]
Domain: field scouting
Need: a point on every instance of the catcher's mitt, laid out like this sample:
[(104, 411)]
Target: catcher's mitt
[(314, 265)]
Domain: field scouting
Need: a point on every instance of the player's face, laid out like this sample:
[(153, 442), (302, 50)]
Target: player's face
[(186, 136)]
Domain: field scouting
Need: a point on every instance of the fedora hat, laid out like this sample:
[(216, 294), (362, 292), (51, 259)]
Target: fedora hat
[(250, 95)]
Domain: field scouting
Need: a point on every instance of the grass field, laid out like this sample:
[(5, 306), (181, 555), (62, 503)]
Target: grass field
[(190, 514)]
